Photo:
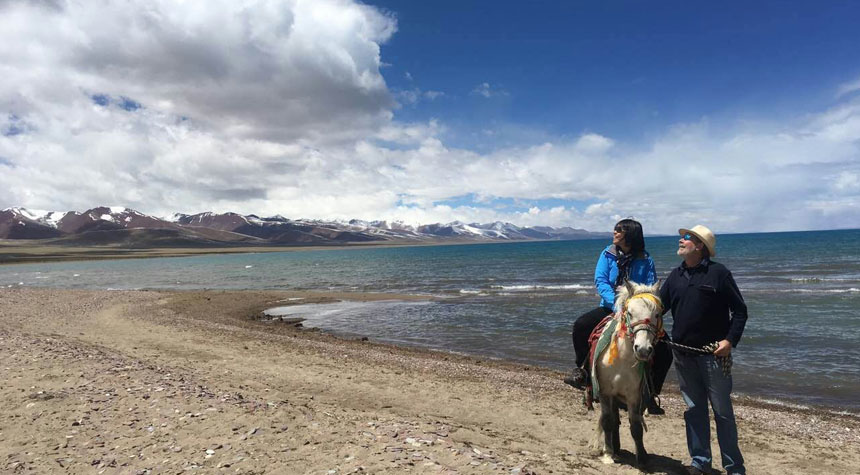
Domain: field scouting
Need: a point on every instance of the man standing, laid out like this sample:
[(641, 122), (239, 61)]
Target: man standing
[(707, 308)]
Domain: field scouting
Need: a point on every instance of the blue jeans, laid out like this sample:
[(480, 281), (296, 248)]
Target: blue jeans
[(701, 380)]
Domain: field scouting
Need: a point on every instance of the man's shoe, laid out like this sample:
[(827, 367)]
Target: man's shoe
[(654, 408), (694, 470), (576, 378)]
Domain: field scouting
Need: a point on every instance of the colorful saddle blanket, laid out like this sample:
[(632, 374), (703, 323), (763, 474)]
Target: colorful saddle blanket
[(598, 341)]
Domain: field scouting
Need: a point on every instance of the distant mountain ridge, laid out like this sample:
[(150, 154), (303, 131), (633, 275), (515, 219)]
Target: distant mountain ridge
[(126, 227)]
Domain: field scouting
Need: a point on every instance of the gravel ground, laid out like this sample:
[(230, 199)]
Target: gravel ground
[(195, 382)]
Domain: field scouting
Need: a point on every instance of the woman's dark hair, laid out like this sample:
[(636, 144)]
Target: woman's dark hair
[(633, 235)]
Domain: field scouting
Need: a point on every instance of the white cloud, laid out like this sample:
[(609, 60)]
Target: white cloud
[(409, 96), (278, 107), (593, 143), (415, 95), (847, 181), (485, 90), (279, 70), (848, 88)]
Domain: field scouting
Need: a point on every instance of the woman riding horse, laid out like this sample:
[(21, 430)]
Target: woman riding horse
[(625, 260)]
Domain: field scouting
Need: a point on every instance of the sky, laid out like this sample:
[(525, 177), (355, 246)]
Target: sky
[(743, 116)]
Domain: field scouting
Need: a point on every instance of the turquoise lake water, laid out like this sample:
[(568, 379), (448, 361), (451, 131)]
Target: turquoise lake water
[(516, 301)]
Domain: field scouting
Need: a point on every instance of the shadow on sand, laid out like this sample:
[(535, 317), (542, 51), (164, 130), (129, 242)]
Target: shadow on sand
[(656, 463)]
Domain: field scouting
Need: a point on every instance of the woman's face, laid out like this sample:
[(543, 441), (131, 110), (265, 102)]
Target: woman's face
[(618, 236)]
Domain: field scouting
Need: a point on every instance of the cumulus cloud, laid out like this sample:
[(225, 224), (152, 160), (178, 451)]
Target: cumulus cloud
[(278, 70), (279, 107), (146, 102)]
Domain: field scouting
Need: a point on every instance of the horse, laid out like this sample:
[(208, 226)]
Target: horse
[(620, 370)]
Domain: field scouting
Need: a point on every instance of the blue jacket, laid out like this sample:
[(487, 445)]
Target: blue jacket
[(641, 272)]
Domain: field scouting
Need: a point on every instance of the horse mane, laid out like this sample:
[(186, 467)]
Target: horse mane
[(629, 289)]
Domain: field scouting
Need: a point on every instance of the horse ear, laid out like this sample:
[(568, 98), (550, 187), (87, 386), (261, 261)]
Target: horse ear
[(658, 284), (629, 287)]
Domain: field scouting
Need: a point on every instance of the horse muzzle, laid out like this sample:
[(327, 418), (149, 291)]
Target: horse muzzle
[(643, 352)]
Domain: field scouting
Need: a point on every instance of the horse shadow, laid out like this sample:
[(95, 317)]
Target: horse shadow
[(656, 463)]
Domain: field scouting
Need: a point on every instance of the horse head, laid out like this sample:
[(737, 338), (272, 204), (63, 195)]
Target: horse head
[(641, 312)]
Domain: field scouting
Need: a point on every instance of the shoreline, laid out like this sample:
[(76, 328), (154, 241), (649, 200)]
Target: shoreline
[(35, 253), (670, 388), (123, 381), (16, 253), (761, 401), (322, 297)]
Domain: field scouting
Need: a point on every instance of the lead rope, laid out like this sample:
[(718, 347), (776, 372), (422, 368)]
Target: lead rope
[(725, 362)]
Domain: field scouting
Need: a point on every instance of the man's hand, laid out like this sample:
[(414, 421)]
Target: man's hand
[(724, 348)]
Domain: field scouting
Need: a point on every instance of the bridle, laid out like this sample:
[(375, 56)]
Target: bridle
[(654, 328)]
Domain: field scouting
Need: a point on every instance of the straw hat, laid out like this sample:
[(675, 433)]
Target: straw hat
[(705, 235)]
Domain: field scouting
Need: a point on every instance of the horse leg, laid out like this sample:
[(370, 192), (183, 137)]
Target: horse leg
[(616, 434), (600, 442), (636, 430), (609, 428)]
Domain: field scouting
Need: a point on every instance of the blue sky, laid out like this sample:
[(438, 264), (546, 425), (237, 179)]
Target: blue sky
[(624, 69), (744, 116)]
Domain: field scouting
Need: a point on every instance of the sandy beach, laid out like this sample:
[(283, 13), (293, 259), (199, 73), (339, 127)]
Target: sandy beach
[(194, 382)]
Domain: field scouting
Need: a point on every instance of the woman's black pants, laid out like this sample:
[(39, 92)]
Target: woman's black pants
[(584, 325), (582, 328)]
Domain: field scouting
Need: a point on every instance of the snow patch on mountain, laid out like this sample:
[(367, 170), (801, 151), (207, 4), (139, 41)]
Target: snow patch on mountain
[(47, 218)]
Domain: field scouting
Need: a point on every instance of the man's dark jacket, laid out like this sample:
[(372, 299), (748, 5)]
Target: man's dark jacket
[(706, 304)]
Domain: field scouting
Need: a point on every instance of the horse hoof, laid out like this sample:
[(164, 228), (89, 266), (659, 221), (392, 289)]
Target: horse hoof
[(607, 459)]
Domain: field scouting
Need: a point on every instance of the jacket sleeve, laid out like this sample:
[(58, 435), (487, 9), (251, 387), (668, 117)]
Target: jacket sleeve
[(737, 307), (601, 279), (652, 272)]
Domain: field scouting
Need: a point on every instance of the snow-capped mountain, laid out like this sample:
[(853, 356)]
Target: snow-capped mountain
[(107, 218), (21, 223), (119, 224)]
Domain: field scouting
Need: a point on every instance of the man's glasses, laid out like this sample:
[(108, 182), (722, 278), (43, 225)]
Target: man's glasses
[(687, 237)]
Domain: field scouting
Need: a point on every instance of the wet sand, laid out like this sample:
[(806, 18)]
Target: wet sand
[(195, 382)]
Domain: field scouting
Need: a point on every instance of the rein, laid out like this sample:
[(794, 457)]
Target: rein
[(643, 325), (725, 362)]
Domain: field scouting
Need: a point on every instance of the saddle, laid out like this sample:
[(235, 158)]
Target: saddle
[(596, 346)]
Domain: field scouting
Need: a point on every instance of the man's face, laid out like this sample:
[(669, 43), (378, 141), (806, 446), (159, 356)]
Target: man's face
[(687, 245)]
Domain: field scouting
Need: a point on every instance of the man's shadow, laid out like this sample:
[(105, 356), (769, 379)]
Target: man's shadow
[(656, 463)]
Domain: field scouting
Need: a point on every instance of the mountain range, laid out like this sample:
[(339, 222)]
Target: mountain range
[(129, 228)]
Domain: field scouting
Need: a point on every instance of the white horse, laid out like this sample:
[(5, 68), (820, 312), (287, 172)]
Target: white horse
[(621, 369)]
